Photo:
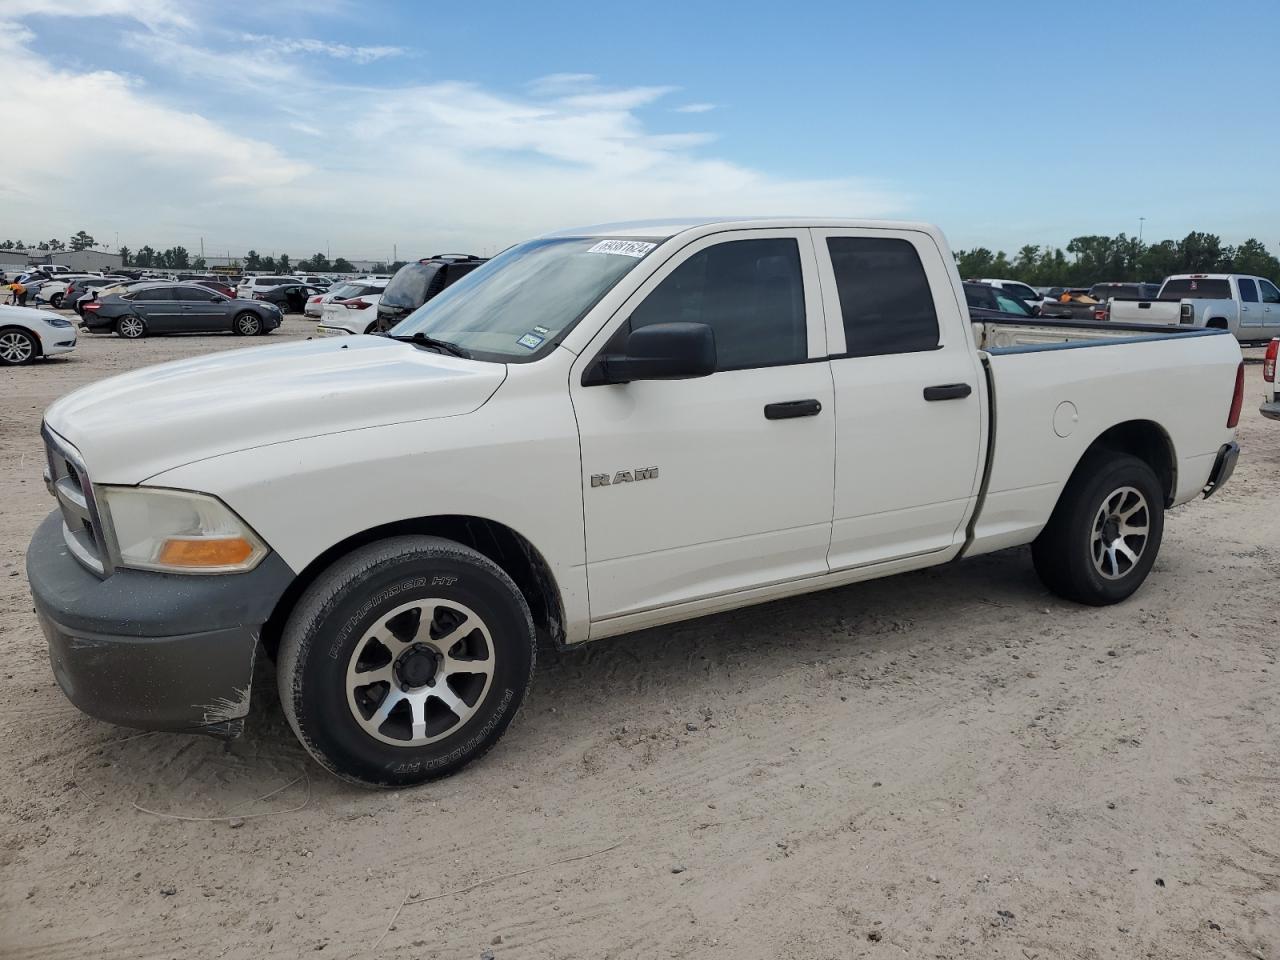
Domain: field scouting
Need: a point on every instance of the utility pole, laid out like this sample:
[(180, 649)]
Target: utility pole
[(1141, 221), (395, 254)]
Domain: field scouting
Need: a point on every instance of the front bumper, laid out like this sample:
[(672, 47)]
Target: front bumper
[(1270, 409), (152, 650), (1223, 467)]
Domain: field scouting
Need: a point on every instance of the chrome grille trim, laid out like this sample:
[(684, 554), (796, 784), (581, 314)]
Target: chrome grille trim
[(68, 481)]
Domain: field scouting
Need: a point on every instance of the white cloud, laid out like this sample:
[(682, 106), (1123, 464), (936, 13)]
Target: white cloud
[(339, 51), (424, 166), (696, 108), (152, 13)]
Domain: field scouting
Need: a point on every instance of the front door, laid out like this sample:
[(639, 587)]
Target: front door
[(703, 487), (1251, 313), (201, 310), (908, 396)]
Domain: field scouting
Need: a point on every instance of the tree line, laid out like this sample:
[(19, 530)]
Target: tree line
[(1098, 259)]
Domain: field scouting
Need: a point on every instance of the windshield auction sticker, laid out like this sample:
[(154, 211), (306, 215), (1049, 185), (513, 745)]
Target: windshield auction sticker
[(624, 248)]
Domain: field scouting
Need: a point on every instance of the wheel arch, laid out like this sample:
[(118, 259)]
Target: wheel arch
[(4, 327), (1146, 440), (510, 550)]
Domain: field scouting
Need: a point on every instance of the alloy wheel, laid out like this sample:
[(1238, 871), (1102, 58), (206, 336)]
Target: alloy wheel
[(15, 347), (420, 673), (1121, 529)]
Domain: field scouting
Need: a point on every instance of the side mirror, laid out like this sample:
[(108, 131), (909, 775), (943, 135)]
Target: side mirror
[(660, 351)]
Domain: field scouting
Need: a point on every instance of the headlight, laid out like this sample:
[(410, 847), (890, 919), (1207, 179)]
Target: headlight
[(176, 531), (57, 321)]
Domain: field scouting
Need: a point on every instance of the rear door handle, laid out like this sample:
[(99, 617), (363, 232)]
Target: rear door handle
[(787, 409), (948, 391)]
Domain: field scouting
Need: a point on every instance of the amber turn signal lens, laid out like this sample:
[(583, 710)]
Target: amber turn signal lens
[(223, 552)]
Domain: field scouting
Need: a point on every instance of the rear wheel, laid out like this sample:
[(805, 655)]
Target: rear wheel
[(1105, 532), (405, 661), (56, 301), (131, 328), (248, 324), (17, 347)]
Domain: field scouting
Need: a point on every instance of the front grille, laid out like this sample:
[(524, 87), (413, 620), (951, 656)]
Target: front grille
[(69, 482)]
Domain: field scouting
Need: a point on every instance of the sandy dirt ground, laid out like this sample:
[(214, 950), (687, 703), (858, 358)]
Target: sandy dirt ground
[(946, 764)]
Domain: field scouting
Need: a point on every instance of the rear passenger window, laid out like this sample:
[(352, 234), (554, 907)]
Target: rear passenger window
[(154, 293), (1269, 292), (1248, 291), (750, 292), (884, 296)]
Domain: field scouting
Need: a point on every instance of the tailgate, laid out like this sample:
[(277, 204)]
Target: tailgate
[(1146, 311)]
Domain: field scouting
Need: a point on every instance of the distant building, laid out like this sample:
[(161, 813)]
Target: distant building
[(86, 259)]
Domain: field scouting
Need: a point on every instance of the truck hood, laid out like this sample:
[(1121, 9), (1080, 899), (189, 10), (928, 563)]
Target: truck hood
[(133, 426)]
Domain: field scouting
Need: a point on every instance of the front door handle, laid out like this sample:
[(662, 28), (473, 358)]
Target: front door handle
[(787, 409), (948, 391)]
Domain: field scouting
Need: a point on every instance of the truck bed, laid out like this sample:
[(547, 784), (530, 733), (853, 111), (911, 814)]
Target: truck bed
[(1013, 336)]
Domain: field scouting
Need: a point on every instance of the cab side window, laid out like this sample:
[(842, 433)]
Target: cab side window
[(1248, 291), (750, 292), (1269, 292), (884, 296)]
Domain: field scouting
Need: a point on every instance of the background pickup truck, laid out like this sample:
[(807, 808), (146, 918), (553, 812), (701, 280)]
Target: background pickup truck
[(597, 431), (1248, 307)]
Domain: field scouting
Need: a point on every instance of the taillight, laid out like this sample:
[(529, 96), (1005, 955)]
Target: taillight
[(1099, 313), (1237, 399), (1187, 314), (92, 306), (356, 304), (1269, 361), (315, 299)]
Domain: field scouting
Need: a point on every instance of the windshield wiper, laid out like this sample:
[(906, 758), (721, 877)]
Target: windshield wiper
[(443, 346)]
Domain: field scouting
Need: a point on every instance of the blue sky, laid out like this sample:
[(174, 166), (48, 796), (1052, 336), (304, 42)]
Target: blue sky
[(289, 125)]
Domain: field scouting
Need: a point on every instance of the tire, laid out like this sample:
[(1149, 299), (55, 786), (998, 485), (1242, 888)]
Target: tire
[(131, 328), (17, 347), (358, 618), (371, 328), (247, 324), (56, 301), (1076, 554)]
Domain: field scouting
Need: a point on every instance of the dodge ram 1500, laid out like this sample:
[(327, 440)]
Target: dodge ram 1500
[(597, 431)]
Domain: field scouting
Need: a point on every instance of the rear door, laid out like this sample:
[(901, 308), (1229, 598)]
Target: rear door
[(908, 395), (1252, 315), (157, 306), (1270, 297)]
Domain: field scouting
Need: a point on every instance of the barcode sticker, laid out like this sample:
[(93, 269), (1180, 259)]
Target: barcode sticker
[(625, 248)]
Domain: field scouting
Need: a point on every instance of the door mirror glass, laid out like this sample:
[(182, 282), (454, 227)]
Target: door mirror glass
[(659, 351)]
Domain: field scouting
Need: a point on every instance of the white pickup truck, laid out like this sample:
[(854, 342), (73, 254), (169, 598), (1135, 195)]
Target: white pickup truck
[(1248, 307), (597, 431)]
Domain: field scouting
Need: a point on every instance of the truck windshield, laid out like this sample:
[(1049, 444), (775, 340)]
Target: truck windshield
[(1196, 288), (515, 307)]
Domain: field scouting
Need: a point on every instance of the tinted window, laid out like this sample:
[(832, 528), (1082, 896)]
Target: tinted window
[(1248, 291), (750, 292), (193, 294), (1196, 289), (981, 296), (1021, 292), (884, 296), (154, 293), (413, 285), (1269, 292)]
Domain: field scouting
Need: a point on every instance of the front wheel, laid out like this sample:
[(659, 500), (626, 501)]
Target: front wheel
[(248, 324), (1105, 532), (405, 661), (56, 301), (17, 347)]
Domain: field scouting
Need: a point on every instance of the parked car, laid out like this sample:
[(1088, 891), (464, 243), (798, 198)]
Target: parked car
[(365, 286), (416, 283), (27, 333), (54, 292), (992, 303), (250, 285), (315, 281), (164, 307), (290, 298), (597, 431), (50, 269), (226, 289), (1019, 289), (1125, 291), (1270, 401), (352, 314), (1247, 306), (82, 285)]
